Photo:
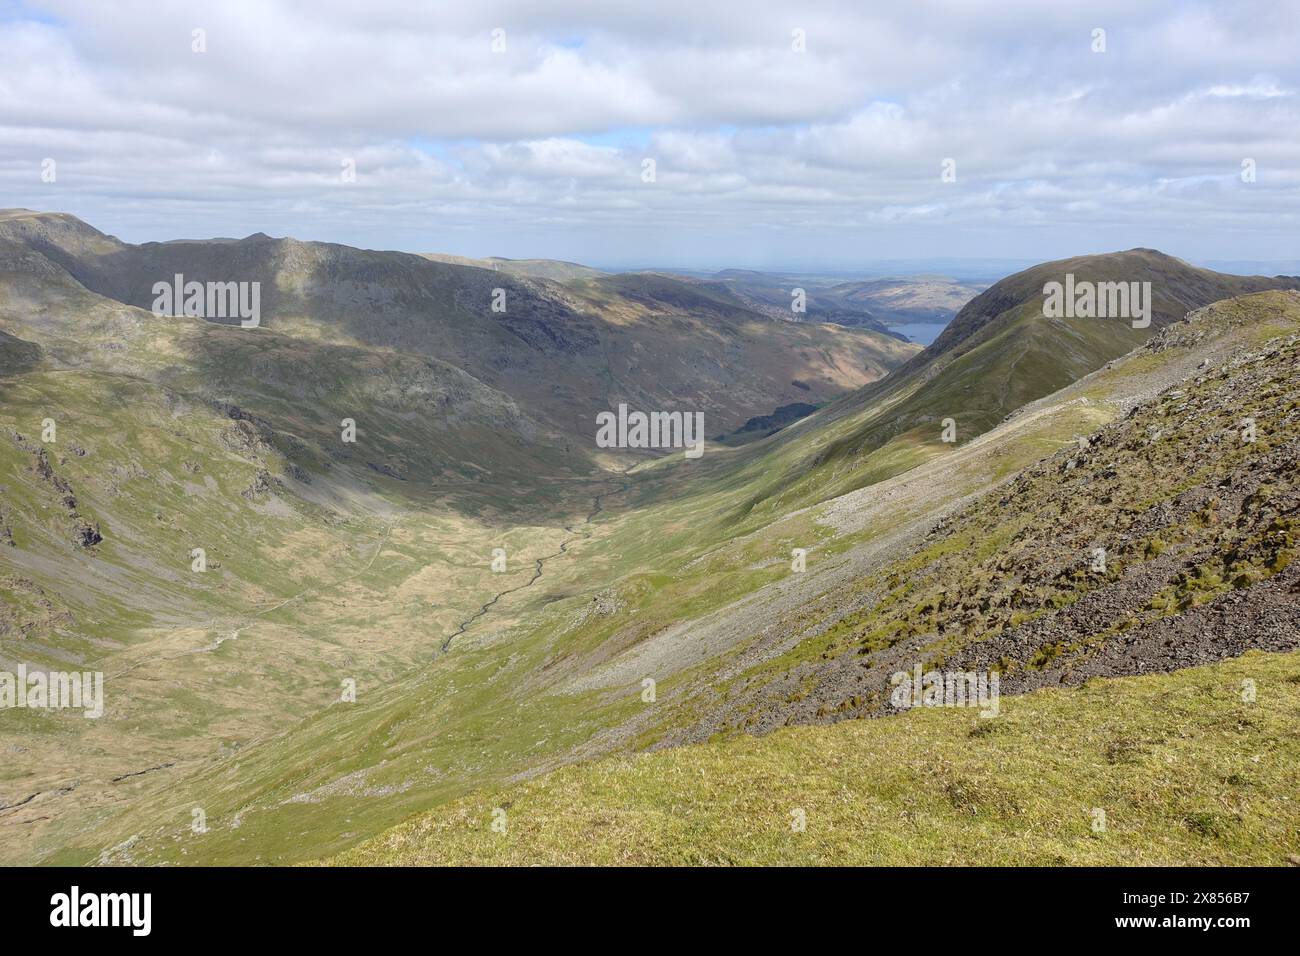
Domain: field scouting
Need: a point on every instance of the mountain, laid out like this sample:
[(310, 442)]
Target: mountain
[(909, 305), (1000, 353), (555, 269), (563, 352), (297, 388), (355, 658), (323, 558), (1189, 492)]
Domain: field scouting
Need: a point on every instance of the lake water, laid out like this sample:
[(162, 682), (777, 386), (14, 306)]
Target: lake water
[(922, 332)]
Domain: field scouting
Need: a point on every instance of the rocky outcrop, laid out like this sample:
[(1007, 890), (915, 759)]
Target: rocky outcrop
[(1167, 539), (84, 532)]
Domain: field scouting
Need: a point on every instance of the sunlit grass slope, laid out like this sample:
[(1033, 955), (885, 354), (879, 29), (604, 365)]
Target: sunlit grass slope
[(1171, 769)]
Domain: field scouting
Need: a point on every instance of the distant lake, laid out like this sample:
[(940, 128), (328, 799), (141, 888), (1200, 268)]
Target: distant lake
[(922, 332)]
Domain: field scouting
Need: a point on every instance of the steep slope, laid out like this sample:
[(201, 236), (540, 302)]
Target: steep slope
[(563, 352), (732, 639), (1195, 524), (1175, 769), (998, 354), (1176, 289), (418, 417), (1196, 519)]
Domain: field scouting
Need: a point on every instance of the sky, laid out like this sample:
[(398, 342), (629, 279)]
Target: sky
[(782, 135)]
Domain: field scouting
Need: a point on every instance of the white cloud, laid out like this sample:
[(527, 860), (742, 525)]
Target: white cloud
[(761, 150)]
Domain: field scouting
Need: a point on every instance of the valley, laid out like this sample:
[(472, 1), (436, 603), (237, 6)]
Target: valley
[(357, 677)]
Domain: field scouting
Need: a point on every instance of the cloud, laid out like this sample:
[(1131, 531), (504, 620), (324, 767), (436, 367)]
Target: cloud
[(535, 147)]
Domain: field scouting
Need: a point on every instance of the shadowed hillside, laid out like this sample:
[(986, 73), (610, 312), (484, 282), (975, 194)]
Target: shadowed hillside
[(563, 352)]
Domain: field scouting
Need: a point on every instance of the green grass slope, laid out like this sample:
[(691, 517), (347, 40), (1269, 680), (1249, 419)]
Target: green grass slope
[(999, 353), (1198, 528), (563, 680), (326, 560), (1175, 769), (319, 569)]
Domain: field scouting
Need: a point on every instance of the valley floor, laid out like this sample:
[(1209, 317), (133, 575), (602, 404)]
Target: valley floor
[(680, 580)]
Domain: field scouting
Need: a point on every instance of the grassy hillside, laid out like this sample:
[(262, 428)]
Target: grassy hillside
[(319, 568), (325, 560), (1196, 525), (1183, 770), (561, 352), (999, 353), (370, 562), (733, 640)]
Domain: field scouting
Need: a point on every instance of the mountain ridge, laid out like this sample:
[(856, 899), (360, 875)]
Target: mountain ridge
[(550, 348), (331, 562)]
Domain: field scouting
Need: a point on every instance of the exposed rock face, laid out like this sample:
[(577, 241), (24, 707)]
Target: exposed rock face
[(85, 533), (45, 471), (261, 484), (34, 613), (1168, 540), (387, 468)]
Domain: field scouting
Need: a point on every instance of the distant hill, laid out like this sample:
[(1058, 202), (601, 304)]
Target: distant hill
[(902, 301), (883, 304), (555, 269), (1000, 352), (562, 352)]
